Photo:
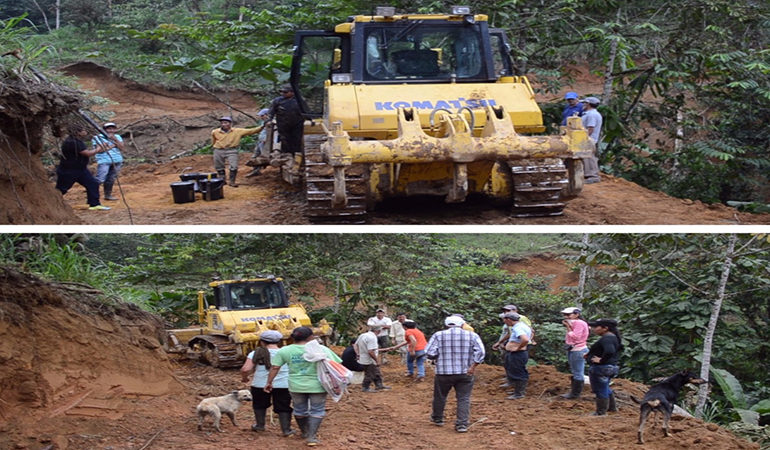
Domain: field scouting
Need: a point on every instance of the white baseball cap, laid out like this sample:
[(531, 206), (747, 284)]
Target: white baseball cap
[(454, 321)]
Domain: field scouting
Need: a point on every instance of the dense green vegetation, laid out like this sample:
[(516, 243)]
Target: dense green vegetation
[(686, 99), (662, 288)]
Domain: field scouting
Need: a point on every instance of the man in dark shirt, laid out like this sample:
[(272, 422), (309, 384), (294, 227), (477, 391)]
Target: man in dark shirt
[(73, 167), (288, 119), (350, 359)]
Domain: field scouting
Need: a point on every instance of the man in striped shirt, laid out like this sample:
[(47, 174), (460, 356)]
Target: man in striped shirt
[(457, 352)]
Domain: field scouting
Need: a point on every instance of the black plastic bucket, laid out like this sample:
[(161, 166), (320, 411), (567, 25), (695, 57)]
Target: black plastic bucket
[(183, 191), (196, 177), (192, 176), (212, 189)]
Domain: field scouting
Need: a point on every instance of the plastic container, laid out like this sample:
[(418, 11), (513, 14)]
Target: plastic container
[(183, 191), (212, 189), (196, 177), (192, 176)]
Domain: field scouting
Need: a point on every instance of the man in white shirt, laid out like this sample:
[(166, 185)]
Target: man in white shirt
[(368, 356), (592, 120), (398, 335), (383, 322)]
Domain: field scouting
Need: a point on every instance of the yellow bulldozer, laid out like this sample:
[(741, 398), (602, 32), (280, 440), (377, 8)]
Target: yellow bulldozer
[(231, 322), (424, 104)]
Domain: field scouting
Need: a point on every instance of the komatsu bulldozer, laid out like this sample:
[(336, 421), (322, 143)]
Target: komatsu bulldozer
[(240, 310), (413, 104)]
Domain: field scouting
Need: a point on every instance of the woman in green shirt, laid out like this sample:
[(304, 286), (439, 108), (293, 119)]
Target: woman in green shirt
[(307, 393)]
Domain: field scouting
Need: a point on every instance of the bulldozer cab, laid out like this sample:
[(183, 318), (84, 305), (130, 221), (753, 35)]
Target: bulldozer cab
[(412, 49), (243, 295)]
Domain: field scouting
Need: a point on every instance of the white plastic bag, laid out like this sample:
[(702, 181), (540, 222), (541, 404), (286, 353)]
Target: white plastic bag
[(334, 377)]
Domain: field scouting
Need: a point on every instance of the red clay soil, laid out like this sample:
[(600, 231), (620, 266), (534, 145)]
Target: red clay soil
[(550, 267), (76, 374), (159, 124)]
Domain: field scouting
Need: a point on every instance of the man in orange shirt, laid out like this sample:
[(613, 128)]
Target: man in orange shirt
[(225, 141), (416, 344)]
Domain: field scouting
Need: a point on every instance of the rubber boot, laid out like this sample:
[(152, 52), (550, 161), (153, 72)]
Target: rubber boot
[(519, 389), (612, 407), (108, 192), (284, 418), (576, 388), (312, 430), (259, 414), (302, 424), (233, 174), (601, 407)]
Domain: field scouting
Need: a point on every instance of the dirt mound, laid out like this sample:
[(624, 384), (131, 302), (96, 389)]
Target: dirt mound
[(69, 361), (553, 268), (156, 122), (29, 109)]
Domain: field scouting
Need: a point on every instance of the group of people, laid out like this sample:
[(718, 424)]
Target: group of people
[(289, 124), (106, 147), (586, 109), (603, 356), (283, 378)]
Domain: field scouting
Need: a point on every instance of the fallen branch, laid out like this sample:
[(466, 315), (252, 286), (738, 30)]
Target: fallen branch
[(478, 421), (224, 102), (147, 444), (184, 153)]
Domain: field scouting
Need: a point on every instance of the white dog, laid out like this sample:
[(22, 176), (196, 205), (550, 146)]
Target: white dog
[(226, 404)]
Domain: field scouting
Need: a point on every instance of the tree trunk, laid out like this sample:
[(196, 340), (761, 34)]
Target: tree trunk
[(608, 69), (45, 18), (58, 14), (709, 338), (583, 271)]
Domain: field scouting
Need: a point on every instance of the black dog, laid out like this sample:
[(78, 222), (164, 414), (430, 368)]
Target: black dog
[(661, 398)]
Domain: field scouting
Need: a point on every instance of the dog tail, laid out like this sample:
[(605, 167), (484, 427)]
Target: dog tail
[(636, 400)]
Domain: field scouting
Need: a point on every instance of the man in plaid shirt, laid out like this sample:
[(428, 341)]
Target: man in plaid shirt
[(456, 352)]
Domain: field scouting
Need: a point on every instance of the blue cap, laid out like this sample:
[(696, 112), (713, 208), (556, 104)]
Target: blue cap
[(570, 95), (263, 112)]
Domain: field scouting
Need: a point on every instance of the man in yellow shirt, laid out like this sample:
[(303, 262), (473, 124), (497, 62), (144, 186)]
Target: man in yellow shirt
[(225, 141)]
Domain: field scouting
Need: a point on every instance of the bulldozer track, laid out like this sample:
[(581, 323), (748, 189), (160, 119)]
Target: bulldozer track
[(218, 353), (319, 188), (537, 187)]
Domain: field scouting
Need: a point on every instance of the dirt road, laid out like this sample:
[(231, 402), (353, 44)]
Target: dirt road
[(76, 373), (265, 199)]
